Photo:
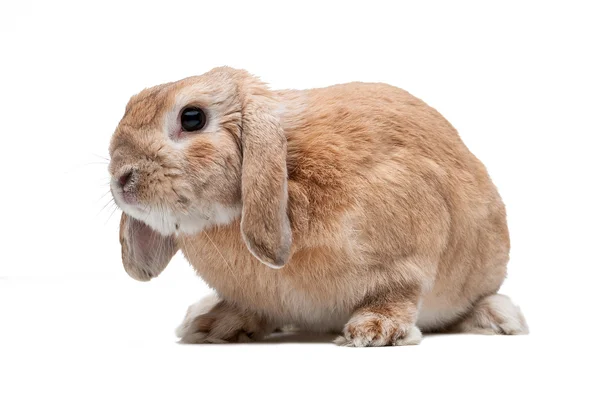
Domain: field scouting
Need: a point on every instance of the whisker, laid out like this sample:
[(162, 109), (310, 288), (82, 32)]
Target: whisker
[(111, 214), (229, 267), (186, 249), (75, 168), (111, 201), (101, 157), (102, 197)]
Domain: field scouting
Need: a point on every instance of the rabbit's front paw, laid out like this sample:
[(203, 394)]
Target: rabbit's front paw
[(373, 330), (214, 321)]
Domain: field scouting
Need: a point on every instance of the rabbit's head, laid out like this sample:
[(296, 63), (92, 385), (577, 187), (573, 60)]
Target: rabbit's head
[(197, 153)]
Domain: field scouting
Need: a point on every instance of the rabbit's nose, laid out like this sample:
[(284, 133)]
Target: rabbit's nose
[(124, 178)]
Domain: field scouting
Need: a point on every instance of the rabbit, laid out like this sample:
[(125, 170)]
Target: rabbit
[(354, 209)]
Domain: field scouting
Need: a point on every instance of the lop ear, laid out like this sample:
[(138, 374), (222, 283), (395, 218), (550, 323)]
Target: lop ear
[(145, 252), (265, 224)]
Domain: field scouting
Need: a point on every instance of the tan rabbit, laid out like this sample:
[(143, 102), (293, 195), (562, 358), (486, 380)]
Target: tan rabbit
[(354, 208)]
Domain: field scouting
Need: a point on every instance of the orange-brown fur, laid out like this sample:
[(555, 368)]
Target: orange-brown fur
[(390, 214)]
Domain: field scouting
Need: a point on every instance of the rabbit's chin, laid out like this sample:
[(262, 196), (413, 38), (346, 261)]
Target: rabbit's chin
[(168, 222)]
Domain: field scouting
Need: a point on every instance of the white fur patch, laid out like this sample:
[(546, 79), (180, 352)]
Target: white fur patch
[(216, 214), (166, 222), (199, 308), (413, 337), (495, 314)]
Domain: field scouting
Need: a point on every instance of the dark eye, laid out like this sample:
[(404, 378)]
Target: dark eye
[(193, 119)]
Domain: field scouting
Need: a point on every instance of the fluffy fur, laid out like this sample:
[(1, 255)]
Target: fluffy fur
[(384, 220)]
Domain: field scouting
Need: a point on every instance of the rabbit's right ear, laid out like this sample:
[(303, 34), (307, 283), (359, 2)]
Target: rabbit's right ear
[(145, 252), (265, 224)]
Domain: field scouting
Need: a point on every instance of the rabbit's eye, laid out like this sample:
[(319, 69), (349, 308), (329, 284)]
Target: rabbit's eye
[(193, 119)]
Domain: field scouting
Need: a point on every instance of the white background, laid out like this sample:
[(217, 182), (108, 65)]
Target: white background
[(519, 81)]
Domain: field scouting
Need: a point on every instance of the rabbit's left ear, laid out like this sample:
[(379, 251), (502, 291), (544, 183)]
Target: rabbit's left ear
[(265, 224), (145, 252)]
